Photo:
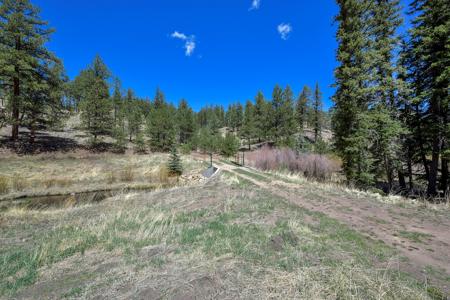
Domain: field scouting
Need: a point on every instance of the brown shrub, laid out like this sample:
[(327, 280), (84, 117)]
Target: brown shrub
[(315, 166)]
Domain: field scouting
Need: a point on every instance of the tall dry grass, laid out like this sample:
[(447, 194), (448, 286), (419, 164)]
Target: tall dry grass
[(4, 185), (319, 167)]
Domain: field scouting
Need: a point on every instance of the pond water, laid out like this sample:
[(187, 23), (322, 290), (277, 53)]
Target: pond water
[(67, 200)]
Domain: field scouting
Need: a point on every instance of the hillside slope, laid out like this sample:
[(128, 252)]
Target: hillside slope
[(242, 234)]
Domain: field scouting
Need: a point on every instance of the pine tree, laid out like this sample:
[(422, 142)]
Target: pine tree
[(96, 107), (429, 74), (133, 114), (174, 165), (208, 142), (44, 105), (317, 113), (248, 126), (186, 122), (350, 120), (139, 143), (289, 125), (27, 68), (77, 88), (384, 90), (276, 120), (161, 126), (160, 99), (117, 100), (283, 120), (261, 117), (120, 138), (235, 116), (229, 145), (301, 110)]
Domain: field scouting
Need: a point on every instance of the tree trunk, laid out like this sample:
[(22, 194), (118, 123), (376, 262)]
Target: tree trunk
[(444, 176), (420, 141), (410, 172), (432, 179), (15, 110), (401, 180), (15, 98), (32, 131), (388, 173)]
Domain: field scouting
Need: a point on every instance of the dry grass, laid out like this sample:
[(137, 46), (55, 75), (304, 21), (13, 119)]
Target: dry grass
[(342, 189), (213, 241), (75, 172), (127, 174), (4, 185), (18, 183)]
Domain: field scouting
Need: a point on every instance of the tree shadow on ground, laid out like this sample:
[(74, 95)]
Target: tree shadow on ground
[(43, 143)]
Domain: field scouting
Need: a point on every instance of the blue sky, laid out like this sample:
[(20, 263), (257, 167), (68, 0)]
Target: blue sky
[(234, 49)]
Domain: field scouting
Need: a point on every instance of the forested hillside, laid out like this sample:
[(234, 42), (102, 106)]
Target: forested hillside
[(389, 119)]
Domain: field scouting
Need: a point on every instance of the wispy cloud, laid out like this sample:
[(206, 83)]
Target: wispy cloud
[(189, 41), (284, 30), (255, 4)]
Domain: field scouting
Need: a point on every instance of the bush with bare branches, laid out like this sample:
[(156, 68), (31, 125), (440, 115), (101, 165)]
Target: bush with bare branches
[(319, 167)]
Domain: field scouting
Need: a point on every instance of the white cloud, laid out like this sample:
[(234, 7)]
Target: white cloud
[(189, 44), (284, 30), (255, 4), (190, 47), (178, 35)]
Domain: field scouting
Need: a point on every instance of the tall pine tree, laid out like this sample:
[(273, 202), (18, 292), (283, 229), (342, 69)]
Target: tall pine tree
[(350, 120), (28, 70), (317, 114), (429, 74), (96, 106), (301, 109)]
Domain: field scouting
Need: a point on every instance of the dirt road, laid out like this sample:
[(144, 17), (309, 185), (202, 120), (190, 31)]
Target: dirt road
[(420, 235)]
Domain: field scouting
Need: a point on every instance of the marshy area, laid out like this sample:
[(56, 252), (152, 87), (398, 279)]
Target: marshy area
[(67, 179)]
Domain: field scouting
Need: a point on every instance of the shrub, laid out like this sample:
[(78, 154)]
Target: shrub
[(4, 185), (315, 166)]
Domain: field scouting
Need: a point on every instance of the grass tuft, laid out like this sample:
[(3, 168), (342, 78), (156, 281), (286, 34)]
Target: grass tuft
[(4, 185)]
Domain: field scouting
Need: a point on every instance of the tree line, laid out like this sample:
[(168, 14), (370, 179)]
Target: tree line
[(389, 119), (124, 116), (39, 95), (391, 110)]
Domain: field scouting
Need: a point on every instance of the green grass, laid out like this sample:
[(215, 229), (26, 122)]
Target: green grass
[(253, 175), (74, 292), (416, 237), (316, 255)]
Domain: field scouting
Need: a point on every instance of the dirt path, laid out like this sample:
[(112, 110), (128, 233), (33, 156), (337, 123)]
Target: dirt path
[(420, 236)]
